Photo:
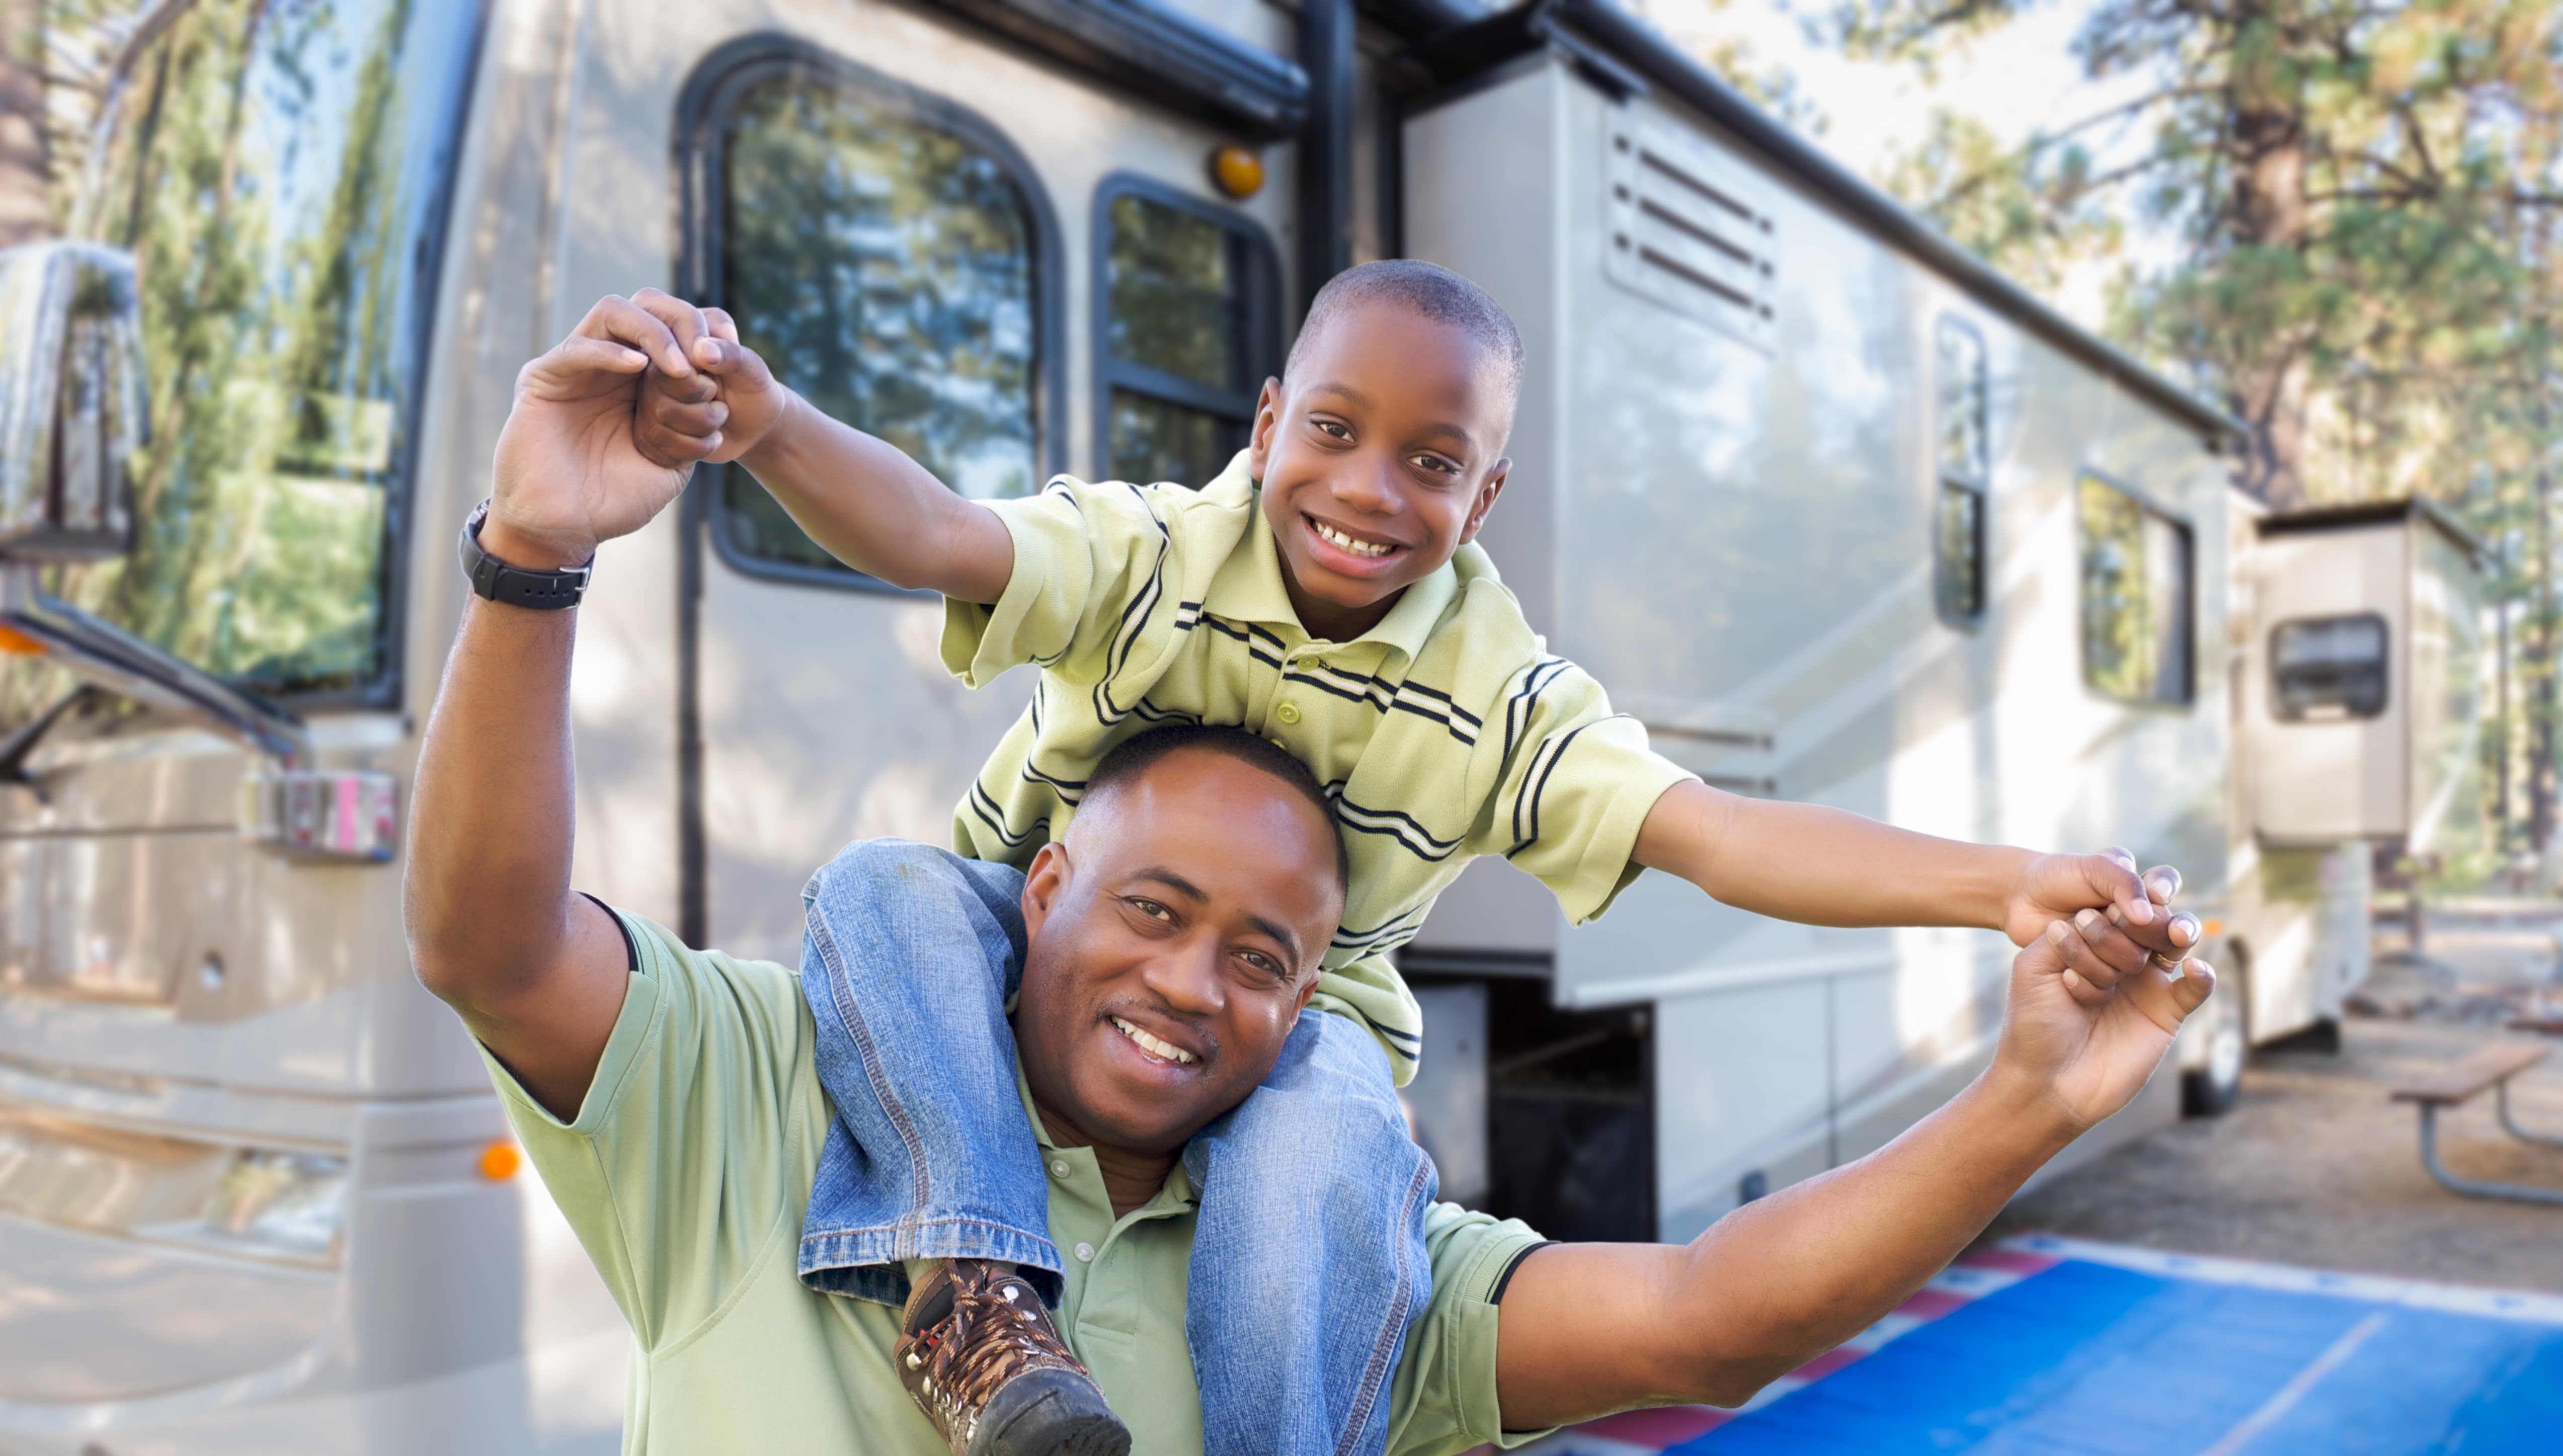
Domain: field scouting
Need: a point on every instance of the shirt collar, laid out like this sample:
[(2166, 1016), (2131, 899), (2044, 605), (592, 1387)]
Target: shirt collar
[(1249, 587), (1174, 1196)]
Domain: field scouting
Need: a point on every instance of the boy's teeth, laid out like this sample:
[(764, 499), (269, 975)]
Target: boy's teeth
[(1359, 548), (1163, 1051)]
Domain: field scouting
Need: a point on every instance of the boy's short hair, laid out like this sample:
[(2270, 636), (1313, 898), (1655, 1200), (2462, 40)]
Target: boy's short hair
[(1134, 757), (1430, 289)]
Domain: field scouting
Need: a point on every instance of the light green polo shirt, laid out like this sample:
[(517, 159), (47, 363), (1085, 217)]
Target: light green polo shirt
[(685, 1177), (1445, 733)]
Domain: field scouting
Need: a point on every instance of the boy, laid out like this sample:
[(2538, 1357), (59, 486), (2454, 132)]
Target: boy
[(1323, 593)]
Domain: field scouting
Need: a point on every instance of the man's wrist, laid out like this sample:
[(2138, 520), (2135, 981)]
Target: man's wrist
[(527, 551)]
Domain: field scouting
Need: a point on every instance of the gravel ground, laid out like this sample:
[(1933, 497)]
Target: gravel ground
[(2315, 1166)]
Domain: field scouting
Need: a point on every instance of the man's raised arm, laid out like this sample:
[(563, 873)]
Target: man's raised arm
[(1586, 1330), (538, 973)]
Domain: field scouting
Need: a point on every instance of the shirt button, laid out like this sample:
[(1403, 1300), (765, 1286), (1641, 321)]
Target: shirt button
[(1084, 1252), (1059, 1167), (1288, 712)]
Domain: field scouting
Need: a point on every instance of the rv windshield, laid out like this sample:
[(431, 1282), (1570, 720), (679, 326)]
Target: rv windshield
[(276, 168)]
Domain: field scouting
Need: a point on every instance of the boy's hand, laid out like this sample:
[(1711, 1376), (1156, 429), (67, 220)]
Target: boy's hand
[(719, 405), (2087, 1046), (2124, 916)]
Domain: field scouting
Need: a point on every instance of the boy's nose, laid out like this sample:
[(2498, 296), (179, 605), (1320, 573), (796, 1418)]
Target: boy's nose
[(1370, 488)]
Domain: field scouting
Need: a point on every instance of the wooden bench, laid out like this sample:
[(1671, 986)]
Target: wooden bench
[(2460, 1082)]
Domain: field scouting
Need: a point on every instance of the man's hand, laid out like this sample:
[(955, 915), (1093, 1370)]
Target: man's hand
[(2089, 1045), (568, 472)]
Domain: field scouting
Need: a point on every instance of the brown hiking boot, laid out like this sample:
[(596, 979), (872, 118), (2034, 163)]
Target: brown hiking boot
[(980, 1357)]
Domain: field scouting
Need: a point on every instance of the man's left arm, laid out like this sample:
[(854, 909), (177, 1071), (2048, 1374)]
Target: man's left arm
[(1586, 1330), (1829, 866)]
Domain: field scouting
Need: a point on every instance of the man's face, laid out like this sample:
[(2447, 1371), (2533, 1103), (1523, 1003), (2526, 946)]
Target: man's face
[(1173, 939), (1379, 458)]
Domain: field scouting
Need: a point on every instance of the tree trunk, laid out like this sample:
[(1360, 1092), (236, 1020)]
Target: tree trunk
[(2271, 213), (2539, 667), (25, 207)]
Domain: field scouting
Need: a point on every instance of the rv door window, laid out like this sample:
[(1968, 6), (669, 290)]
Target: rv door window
[(2136, 597), (278, 167), (2328, 667), (1965, 467), (1184, 331), (884, 266)]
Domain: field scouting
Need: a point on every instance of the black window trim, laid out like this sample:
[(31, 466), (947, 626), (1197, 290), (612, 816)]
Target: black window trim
[(704, 113), (2385, 666), (1943, 479), (2187, 702), (382, 690), (1263, 325)]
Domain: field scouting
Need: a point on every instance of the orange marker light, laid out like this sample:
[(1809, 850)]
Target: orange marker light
[(2211, 928), (500, 1161), (19, 644), (1238, 171)]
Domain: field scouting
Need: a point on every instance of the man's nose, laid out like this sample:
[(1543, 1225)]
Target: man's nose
[(1187, 979)]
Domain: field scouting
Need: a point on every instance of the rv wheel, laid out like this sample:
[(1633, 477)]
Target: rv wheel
[(2209, 1091)]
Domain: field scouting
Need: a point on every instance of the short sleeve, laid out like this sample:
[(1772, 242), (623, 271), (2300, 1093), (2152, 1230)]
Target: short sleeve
[(1576, 784), (675, 1175), (1086, 558), (1442, 1398)]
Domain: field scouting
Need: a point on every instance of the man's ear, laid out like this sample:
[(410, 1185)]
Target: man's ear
[(1485, 500), (1044, 884), (1267, 417)]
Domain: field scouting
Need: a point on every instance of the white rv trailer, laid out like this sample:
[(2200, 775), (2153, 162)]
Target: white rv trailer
[(1838, 513)]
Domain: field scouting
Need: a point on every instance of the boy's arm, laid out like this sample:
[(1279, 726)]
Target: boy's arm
[(862, 499), (1589, 1329), (1828, 867)]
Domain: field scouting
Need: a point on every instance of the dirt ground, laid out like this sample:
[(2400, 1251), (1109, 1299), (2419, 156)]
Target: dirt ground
[(2315, 1167)]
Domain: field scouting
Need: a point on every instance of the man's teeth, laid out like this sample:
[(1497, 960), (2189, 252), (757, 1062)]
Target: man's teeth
[(1342, 541), (1163, 1051)]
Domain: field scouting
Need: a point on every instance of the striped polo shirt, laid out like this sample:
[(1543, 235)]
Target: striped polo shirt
[(1444, 732)]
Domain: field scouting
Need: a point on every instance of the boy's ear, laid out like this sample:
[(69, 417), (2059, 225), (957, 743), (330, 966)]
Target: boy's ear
[(1485, 500), (1267, 417), (1042, 885)]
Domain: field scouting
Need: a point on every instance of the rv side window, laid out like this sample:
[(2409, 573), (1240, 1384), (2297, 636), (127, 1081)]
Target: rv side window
[(279, 173), (2328, 667), (883, 263), (1184, 331), (1964, 468), (2136, 597)]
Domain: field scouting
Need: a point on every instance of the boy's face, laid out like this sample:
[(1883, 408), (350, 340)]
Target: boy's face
[(1379, 456)]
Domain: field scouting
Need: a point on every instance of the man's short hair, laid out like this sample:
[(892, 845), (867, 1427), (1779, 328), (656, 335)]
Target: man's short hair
[(1134, 757), (1432, 291)]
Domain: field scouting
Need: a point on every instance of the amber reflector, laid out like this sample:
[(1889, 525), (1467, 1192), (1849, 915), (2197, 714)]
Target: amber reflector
[(500, 1162), (1238, 171), (19, 643)]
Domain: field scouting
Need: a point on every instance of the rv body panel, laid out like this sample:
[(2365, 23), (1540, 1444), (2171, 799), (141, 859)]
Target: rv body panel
[(1726, 516)]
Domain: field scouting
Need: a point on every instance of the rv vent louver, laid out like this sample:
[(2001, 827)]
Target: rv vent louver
[(1687, 229)]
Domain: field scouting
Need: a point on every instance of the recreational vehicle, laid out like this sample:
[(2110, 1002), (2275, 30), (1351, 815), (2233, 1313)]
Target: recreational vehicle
[(1836, 511)]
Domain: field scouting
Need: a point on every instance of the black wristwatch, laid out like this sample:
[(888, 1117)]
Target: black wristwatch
[(542, 591)]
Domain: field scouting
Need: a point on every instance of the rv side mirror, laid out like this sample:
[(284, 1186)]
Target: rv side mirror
[(72, 401)]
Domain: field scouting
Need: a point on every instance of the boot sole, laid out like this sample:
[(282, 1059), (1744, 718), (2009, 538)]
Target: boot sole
[(1050, 1413)]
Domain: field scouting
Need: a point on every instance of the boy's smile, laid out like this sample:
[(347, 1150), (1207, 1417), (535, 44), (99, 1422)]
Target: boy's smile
[(1379, 457)]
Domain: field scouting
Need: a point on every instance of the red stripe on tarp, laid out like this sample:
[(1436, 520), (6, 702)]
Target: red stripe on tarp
[(1665, 1425), (1826, 1363), (1931, 1304)]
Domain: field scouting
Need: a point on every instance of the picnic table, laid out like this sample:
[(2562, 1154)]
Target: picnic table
[(2459, 1083)]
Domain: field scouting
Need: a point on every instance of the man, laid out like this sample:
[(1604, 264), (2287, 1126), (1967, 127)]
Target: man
[(1167, 946)]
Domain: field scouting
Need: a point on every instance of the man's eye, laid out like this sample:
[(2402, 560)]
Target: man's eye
[(1262, 964), (1151, 909)]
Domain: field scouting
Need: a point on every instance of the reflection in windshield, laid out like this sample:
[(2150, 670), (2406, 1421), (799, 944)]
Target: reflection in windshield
[(274, 166)]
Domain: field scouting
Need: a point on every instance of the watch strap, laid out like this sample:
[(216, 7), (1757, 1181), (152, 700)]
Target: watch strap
[(517, 586)]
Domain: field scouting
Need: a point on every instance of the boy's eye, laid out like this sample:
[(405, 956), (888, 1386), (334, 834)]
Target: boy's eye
[(1332, 429), (1436, 464)]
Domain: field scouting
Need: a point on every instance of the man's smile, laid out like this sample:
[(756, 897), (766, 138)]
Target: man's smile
[(1154, 1048)]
